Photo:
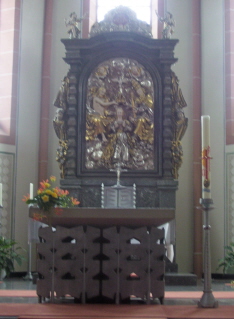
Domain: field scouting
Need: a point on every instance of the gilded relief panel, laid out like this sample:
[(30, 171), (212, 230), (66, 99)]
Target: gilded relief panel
[(120, 116)]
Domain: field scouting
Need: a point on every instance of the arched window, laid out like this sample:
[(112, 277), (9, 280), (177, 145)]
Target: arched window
[(142, 8), (94, 10)]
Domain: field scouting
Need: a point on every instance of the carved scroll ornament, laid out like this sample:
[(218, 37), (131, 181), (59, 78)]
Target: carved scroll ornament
[(59, 123), (180, 124)]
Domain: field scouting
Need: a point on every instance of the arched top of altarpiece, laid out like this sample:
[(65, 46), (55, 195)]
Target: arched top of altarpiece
[(121, 19)]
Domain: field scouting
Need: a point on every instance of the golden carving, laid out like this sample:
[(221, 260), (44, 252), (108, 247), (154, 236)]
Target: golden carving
[(61, 102), (180, 124), (62, 96), (120, 116), (168, 25), (73, 25), (61, 155)]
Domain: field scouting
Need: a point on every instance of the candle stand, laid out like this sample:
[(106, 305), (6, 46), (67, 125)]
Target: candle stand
[(30, 230), (207, 300), (29, 273)]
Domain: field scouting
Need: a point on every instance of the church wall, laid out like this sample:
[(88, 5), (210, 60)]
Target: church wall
[(213, 105), (182, 12), (28, 112), (29, 104)]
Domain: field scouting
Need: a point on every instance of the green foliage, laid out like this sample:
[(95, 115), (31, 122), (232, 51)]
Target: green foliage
[(8, 254), (228, 261)]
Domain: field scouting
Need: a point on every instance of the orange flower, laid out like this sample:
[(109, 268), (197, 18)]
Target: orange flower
[(75, 201), (25, 198), (61, 192), (64, 193), (45, 184)]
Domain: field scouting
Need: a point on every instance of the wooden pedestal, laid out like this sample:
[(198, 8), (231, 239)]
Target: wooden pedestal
[(100, 263)]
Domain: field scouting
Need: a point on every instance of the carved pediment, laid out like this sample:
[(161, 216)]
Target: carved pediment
[(121, 19)]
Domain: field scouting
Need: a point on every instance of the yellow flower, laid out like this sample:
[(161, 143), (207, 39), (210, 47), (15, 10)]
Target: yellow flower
[(48, 192), (45, 198), (53, 194), (52, 178)]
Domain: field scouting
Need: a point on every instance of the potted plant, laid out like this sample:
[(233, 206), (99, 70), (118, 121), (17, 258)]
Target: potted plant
[(8, 255), (227, 263)]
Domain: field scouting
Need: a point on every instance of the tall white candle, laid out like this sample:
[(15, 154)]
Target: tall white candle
[(0, 194), (205, 133), (31, 191)]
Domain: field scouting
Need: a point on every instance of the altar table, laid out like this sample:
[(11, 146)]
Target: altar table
[(102, 255)]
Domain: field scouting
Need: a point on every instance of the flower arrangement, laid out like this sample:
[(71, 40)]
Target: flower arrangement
[(49, 197)]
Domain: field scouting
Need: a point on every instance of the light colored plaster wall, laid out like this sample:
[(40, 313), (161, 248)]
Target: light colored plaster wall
[(59, 68), (28, 112), (213, 105), (30, 72), (182, 12), (7, 148)]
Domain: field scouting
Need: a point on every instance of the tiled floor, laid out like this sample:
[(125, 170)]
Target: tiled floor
[(217, 285)]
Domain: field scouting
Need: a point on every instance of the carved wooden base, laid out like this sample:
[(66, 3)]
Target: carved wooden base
[(93, 264)]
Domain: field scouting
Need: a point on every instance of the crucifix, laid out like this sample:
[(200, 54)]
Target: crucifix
[(118, 171), (118, 196), (120, 80)]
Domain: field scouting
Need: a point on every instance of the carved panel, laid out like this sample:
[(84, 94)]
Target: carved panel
[(95, 264), (120, 116), (91, 196), (146, 197)]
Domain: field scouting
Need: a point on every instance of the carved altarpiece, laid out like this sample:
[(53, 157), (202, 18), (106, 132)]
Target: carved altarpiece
[(120, 104)]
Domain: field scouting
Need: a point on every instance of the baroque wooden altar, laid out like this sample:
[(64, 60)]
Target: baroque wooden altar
[(119, 105), (102, 255)]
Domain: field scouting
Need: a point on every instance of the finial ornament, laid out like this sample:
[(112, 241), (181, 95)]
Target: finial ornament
[(169, 25), (73, 25)]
